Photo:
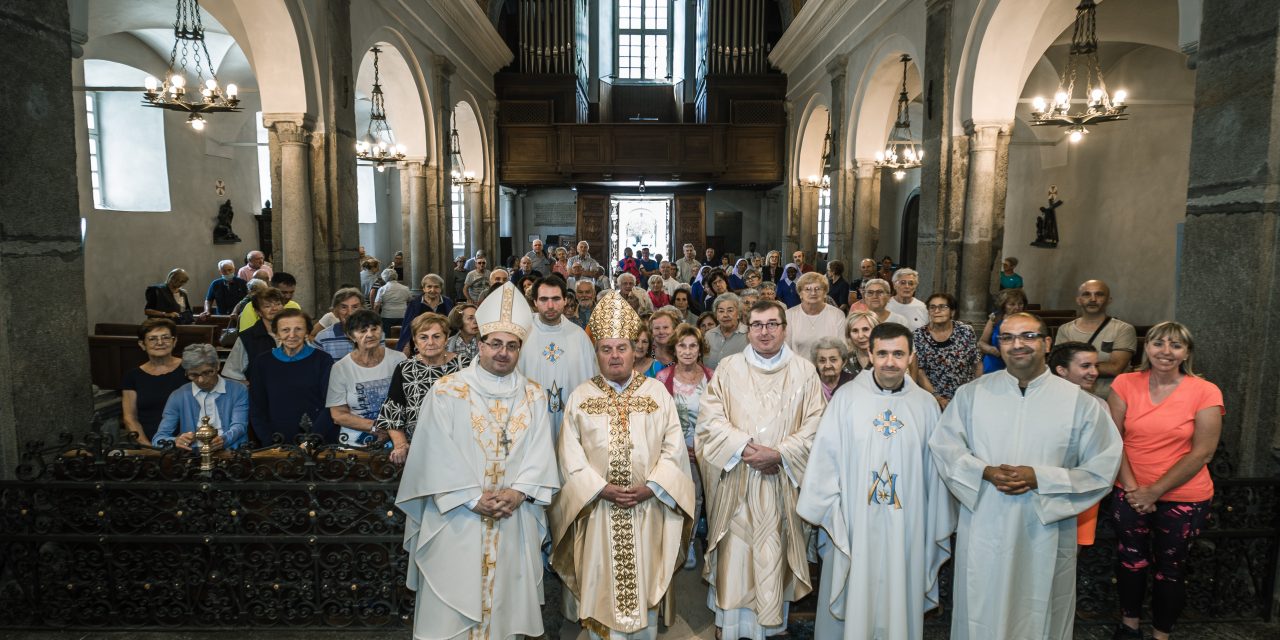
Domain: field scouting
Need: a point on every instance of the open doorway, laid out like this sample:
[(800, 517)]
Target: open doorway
[(910, 231), (639, 222)]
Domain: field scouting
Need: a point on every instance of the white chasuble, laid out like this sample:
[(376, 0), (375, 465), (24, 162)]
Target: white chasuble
[(757, 546), (559, 358), (477, 578), (1015, 569), (885, 515), (618, 562)]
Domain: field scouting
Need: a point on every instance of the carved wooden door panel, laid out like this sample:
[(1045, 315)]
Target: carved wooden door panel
[(691, 223), (593, 224)]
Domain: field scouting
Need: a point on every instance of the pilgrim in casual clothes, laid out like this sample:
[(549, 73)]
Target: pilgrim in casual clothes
[(209, 395), (289, 383), (333, 340), (360, 381), (413, 379), (146, 389)]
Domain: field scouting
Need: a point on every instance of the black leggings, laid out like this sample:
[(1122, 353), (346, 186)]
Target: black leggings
[(1163, 539)]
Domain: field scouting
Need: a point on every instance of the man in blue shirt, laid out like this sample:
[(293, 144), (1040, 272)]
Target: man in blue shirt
[(226, 291)]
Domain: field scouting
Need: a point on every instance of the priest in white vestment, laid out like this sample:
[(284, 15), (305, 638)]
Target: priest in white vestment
[(1024, 452), (625, 515), (885, 515), (756, 424), (557, 354), (480, 472)]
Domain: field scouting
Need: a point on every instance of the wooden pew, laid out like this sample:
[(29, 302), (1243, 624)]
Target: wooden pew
[(187, 333), (114, 349)]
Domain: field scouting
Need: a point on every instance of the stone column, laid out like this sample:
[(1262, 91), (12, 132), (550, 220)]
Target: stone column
[(807, 201), (44, 383), (839, 241), (415, 174), (439, 252), (1230, 263), (296, 252), (444, 75), (865, 196), (976, 263), (942, 178)]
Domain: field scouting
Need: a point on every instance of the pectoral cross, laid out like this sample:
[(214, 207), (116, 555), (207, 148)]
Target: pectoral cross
[(505, 441)]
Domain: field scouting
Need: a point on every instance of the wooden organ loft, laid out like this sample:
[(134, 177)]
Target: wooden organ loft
[(719, 120)]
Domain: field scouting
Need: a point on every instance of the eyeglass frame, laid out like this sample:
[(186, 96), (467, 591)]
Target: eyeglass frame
[(1025, 336), (771, 326)]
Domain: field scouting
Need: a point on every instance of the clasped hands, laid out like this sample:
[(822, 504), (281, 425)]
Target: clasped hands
[(1142, 499), (761, 458), (499, 504), (185, 440), (1010, 479), (626, 497)]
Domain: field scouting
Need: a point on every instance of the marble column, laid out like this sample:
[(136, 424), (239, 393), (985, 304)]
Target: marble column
[(415, 174), (942, 178), (44, 383), (808, 211), (1229, 269), (976, 266), (839, 241), (865, 197), (296, 252)]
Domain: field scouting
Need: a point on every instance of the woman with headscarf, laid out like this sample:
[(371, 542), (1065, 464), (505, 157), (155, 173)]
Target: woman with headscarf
[(787, 293), (738, 276), (697, 288)]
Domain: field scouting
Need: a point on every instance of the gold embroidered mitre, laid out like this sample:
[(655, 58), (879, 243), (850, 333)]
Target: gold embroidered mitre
[(613, 317), (504, 310)]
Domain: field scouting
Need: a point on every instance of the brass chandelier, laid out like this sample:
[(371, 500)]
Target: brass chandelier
[(171, 93), (1082, 60), (378, 146), (900, 152)]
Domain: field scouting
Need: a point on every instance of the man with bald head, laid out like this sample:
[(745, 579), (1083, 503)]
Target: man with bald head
[(1115, 339)]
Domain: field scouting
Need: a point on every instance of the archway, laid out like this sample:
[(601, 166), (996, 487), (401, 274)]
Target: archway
[(812, 225)]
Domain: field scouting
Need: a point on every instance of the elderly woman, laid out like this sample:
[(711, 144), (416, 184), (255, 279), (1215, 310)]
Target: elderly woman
[(462, 322), (658, 295), (359, 382), (813, 318), (698, 288), (413, 379), (768, 290), (289, 383), (145, 390), (946, 350), (561, 266), (682, 300), (393, 298), (662, 325), (432, 300), (1008, 302), (169, 300), (716, 284), (257, 339), (686, 380), (209, 395), (877, 292), (752, 279), (729, 335), (857, 340), (787, 292), (828, 354), (1170, 420), (738, 275), (369, 270)]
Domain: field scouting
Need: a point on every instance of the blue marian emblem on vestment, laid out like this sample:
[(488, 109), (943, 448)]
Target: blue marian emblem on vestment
[(555, 401), (884, 488), (887, 424), (552, 353)]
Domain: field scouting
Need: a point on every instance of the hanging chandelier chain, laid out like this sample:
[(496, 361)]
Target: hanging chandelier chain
[(171, 93), (379, 145), (1082, 60)]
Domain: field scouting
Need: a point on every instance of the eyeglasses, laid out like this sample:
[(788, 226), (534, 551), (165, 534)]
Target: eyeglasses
[(1025, 336), (770, 326), (196, 375), (499, 346), (939, 307), (812, 289), (159, 339), (876, 292)]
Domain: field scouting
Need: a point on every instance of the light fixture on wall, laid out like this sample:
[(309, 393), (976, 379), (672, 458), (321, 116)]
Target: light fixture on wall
[(900, 152), (378, 146), (818, 182), (641, 184), (1100, 106), (171, 93), (459, 172)]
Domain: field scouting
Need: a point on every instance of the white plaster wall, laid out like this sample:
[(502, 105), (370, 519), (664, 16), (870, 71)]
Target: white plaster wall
[(893, 201), (385, 237), (1123, 188)]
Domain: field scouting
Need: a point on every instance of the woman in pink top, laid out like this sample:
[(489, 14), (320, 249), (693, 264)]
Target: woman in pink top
[(1170, 420)]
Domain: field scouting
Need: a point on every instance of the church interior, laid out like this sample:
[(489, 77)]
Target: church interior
[(943, 135)]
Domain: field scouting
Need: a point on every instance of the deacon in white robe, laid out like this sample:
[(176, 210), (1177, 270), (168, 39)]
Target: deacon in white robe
[(885, 515), (1024, 452), (557, 355), (755, 427), (480, 472), (624, 517)]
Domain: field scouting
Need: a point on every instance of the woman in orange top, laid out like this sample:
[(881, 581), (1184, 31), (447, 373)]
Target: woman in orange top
[(1170, 419)]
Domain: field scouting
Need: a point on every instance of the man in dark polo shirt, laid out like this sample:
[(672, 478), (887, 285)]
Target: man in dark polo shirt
[(225, 291)]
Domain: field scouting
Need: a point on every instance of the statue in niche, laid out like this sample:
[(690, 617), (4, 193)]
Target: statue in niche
[(222, 233), (1047, 222)]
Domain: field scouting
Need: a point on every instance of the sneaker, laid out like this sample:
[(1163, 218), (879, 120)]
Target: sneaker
[(1126, 633), (692, 560)]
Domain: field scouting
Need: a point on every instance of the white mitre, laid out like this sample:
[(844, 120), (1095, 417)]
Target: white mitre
[(504, 309)]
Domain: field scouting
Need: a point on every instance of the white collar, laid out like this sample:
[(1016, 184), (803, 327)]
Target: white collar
[(217, 390), (760, 362), (621, 387), (492, 384)]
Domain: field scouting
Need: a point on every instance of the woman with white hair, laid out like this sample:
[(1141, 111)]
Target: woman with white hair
[(813, 318), (169, 300), (828, 355), (225, 291), (392, 300), (210, 395)]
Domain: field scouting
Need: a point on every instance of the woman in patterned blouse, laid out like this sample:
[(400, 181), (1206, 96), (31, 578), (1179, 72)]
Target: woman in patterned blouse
[(946, 351), (412, 380)]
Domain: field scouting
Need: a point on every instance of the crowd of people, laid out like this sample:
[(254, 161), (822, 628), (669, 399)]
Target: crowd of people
[(737, 413)]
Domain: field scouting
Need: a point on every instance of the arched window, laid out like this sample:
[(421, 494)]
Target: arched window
[(458, 215), (824, 219), (642, 30), (126, 141)]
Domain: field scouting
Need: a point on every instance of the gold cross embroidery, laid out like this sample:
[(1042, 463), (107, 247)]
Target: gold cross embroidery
[(618, 407)]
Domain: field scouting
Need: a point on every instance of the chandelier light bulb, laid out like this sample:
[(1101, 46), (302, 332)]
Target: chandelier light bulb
[(899, 174), (210, 84), (401, 149), (1061, 98), (196, 121), (455, 174), (920, 156), (232, 90), (381, 169), (1038, 104), (151, 82), (813, 180), (1119, 99), (469, 175), (1076, 135), (177, 81), (879, 156), (1096, 94)]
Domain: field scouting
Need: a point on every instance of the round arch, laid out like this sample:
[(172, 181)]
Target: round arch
[(810, 137), (404, 91), (874, 108), (272, 35), (471, 138)]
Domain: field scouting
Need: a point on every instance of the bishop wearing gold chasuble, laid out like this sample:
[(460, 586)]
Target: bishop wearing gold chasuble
[(622, 521), (756, 425), (480, 471)]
